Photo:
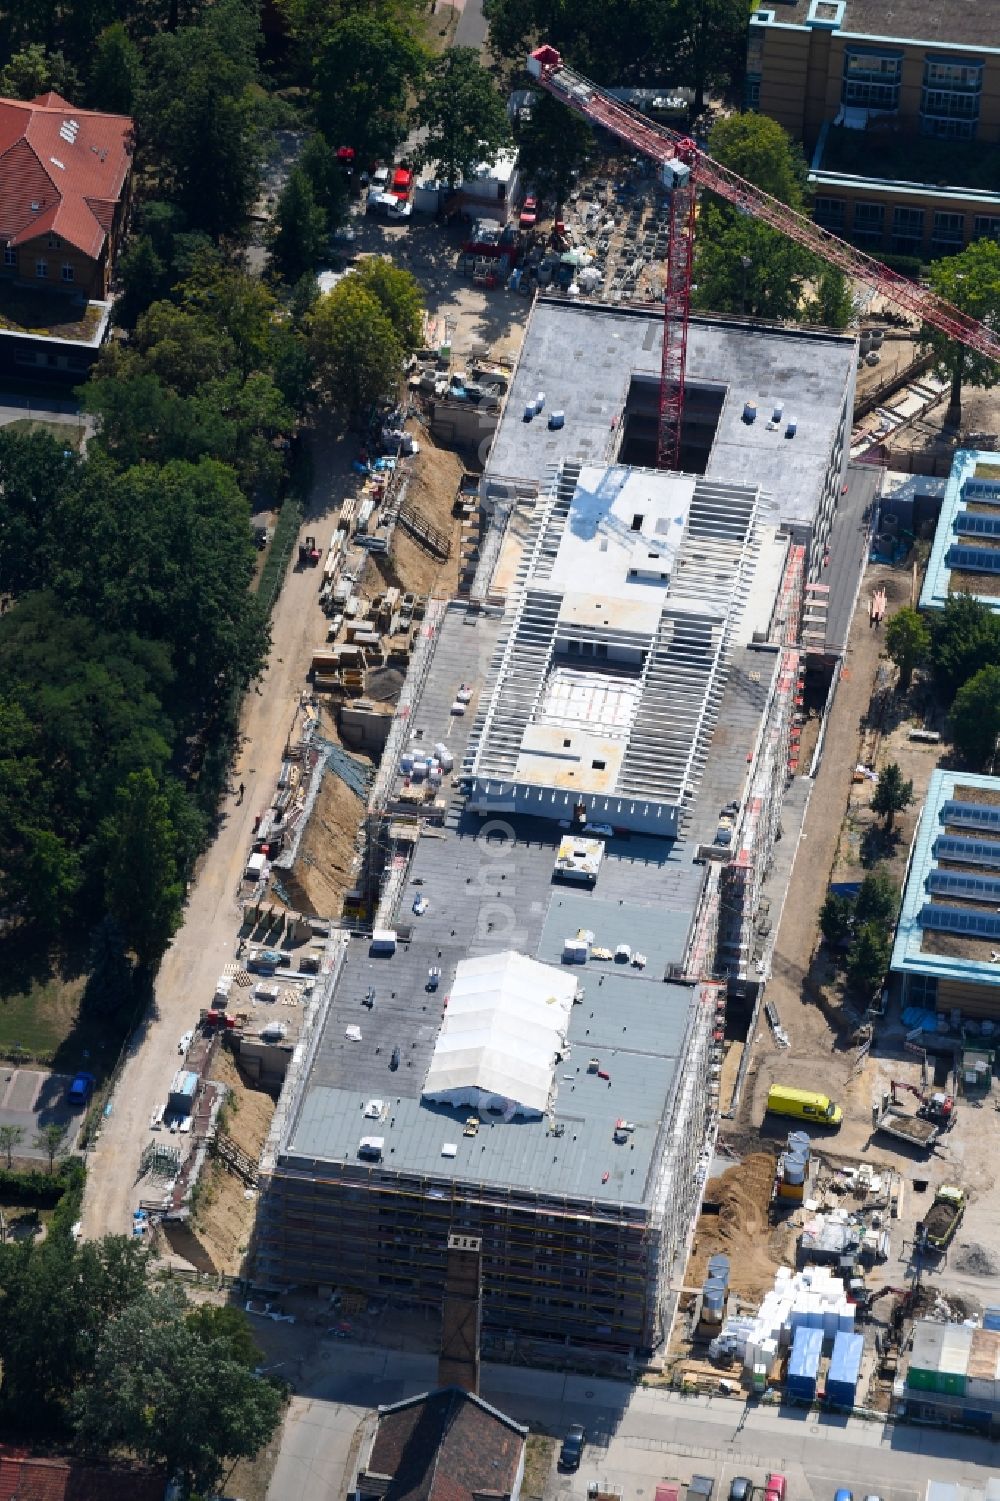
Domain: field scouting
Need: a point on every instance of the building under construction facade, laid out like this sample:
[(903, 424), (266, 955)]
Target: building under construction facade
[(584, 787)]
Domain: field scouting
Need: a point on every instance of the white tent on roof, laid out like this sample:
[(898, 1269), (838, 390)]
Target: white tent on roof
[(507, 1018)]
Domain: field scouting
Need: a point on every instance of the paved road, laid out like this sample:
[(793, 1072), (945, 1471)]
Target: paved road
[(206, 942), (636, 1438)]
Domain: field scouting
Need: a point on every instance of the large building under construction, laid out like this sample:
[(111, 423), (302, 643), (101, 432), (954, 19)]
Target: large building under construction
[(579, 803)]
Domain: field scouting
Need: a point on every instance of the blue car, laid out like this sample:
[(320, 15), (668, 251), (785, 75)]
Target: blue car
[(81, 1087), (844, 1495)]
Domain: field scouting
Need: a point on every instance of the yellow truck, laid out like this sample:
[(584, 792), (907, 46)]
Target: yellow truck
[(804, 1105)]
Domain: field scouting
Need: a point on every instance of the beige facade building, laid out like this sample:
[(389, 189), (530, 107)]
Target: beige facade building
[(897, 103)]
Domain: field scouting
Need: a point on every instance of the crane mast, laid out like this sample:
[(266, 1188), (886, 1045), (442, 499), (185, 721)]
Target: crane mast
[(685, 168)]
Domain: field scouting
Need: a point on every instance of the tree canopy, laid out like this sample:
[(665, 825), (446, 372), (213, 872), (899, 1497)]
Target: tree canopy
[(971, 282), (965, 637), (463, 113), (363, 77), (356, 353), (743, 266), (908, 642), (975, 718), (892, 793)]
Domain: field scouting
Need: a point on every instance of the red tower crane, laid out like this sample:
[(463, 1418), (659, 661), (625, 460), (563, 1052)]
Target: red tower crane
[(684, 168)]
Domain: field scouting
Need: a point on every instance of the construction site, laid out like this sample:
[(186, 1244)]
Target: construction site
[(518, 885)]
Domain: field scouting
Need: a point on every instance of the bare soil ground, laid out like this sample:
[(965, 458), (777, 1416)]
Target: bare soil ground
[(433, 484), (740, 1228), (224, 1215), (324, 867)]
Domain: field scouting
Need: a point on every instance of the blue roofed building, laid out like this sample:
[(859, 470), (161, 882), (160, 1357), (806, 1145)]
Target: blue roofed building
[(947, 946), (965, 558)]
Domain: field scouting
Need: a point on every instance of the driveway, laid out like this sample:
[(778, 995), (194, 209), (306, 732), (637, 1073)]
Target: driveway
[(207, 940), (636, 1438)]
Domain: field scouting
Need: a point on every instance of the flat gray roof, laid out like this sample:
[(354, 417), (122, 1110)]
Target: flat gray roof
[(489, 886), (962, 22), (583, 356)]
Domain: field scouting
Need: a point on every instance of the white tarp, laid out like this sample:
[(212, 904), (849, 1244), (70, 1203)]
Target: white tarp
[(507, 1018)]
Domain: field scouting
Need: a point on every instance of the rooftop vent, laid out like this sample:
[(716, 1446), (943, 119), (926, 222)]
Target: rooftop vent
[(57, 163), (69, 130), (374, 1109)]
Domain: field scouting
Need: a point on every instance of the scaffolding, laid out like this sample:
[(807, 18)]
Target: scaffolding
[(744, 929)]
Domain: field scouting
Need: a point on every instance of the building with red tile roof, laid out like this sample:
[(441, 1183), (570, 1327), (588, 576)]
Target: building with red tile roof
[(64, 176), (445, 1445), (26, 1477)]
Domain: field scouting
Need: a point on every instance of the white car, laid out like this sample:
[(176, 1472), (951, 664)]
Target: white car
[(185, 1043)]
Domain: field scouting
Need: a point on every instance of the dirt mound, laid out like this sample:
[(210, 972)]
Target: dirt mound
[(976, 1261), (735, 1221), (325, 868)]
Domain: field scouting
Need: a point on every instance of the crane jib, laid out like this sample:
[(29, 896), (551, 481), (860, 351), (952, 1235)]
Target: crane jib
[(664, 145)]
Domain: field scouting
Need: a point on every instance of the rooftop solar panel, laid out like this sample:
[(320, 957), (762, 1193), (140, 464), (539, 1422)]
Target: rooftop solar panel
[(985, 852), (968, 920), (960, 883)]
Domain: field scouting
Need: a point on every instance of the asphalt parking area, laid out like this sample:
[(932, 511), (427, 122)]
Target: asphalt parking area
[(33, 1098)]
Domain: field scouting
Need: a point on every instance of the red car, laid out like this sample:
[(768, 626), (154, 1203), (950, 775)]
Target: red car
[(402, 182), (774, 1487), (529, 212)]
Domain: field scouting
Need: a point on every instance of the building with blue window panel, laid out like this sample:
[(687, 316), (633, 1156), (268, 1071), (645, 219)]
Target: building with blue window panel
[(898, 108), (965, 558), (947, 946)]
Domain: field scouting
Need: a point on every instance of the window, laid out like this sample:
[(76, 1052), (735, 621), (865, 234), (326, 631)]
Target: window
[(68, 274), (964, 74), (829, 212), (949, 234), (947, 129), (872, 79), (10, 255), (752, 99), (984, 227), (869, 223), (54, 242), (907, 230), (41, 268)]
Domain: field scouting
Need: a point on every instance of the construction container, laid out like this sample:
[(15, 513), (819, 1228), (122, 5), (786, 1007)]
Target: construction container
[(845, 1370), (183, 1088), (939, 1360), (983, 1378), (991, 1316), (803, 1363)]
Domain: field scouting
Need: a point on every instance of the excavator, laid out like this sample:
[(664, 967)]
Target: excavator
[(936, 1106)]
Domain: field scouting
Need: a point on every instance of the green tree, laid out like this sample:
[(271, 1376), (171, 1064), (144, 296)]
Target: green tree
[(198, 116), (908, 642), (356, 355), (868, 960), (11, 1138), (400, 296), (35, 71), (835, 918), (35, 476), (364, 75), (877, 900), (831, 304), (116, 75), (109, 989), (712, 43), (318, 161), (210, 1322), (971, 281), (145, 893), (965, 637), (188, 1404), (50, 1140), (892, 793), (463, 114), (144, 277), (300, 230), (975, 717), (553, 146), (742, 266)]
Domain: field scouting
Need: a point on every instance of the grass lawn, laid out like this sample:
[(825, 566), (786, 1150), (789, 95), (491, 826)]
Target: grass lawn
[(69, 434), (40, 1017)]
